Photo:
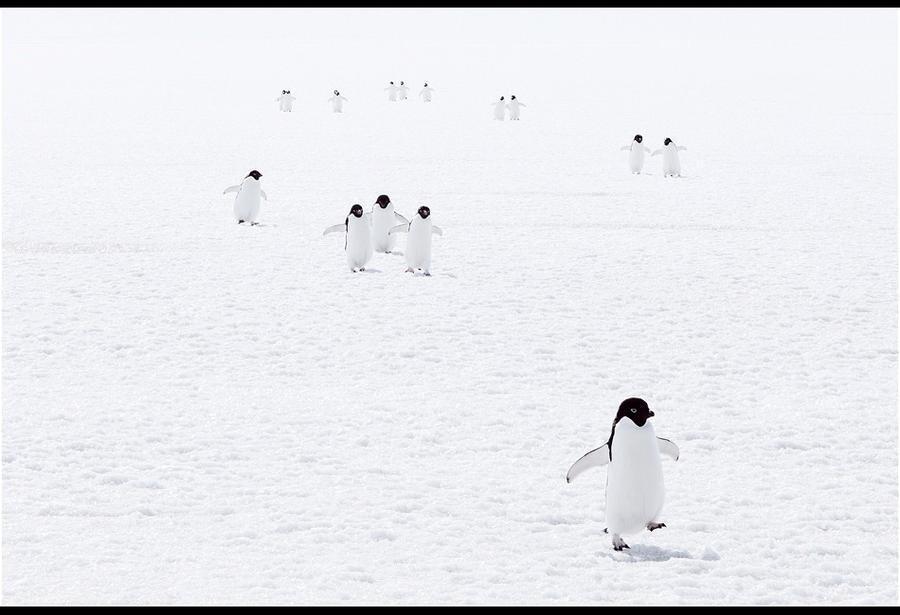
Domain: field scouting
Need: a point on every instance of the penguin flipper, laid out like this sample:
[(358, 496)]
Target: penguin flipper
[(591, 459), (401, 218), (400, 228), (681, 148), (231, 189), (336, 228), (263, 194), (656, 152), (437, 230), (668, 448)]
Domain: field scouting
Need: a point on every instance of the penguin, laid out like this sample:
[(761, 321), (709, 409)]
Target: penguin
[(246, 203), (636, 157), (384, 218), (357, 239), (402, 90), (513, 107), (426, 92), (392, 91), (337, 102), (499, 109), (285, 101), (418, 245), (634, 481), (671, 163)]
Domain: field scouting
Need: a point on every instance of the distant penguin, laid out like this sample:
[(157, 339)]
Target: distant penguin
[(392, 90), (671, 161), (358, 237), (426, 93), (246, 203), (402, 90), (634, 481), (513, 107), (337, 102), (384, 218), (285, 101), (418, 244), (500, 109), (636, 157)]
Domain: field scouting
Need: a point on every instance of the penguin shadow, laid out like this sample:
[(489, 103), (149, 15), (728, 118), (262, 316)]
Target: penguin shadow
[(367, 270), (645, 553)]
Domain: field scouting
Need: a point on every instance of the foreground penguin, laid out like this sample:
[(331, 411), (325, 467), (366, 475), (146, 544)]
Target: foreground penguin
[(636, 157), (337, 102), (418, 245), (286, 101), (426, 93), (358, 238), (514, 107), (499, 109), (384, 218), (671, 163), (634, 481), (246, 203)]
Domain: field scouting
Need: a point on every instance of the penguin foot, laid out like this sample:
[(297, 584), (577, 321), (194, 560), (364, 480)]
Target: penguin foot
[(427, 274), (240, 221), (409, 270), (254, 224), (362, 268), (655, 526), (618, 543)]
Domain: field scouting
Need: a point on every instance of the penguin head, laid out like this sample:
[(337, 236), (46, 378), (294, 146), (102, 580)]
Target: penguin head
[(288, 92), (426, 84), (513, 97), (336, 93), (401, 83), (636, 409), (638, 138), (284, 91), (501, 98), (383, 201), (424, 212), (254, 174), (356, 211), (667, 141), (392, 83)]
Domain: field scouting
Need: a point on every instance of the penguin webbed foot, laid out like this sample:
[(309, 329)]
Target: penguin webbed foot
[(240, 221), (655, 526), (618, 543)]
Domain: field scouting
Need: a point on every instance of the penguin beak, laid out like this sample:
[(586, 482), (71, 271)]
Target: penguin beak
[(652, 413)]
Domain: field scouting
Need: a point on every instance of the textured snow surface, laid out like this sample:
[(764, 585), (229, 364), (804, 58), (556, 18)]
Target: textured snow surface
[(200, 412)]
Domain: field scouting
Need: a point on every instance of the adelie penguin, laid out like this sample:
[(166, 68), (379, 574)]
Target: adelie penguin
[(634, 480), (636, 157), (337, 102), (402, 90), (671, 162), (286, 101), (246, 203), (418, 245), (358, 237), (392, 90), (513, 107), (384, 218), (500, 109), (426, 92)]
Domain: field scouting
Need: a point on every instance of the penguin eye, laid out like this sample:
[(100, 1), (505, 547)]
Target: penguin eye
[(633, 410)]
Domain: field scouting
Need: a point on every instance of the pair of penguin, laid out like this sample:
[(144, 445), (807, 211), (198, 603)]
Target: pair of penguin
[(501, 106), (366, 233), (634, 480), (397, 92), (246, 203), (671, 161), (286, 101)]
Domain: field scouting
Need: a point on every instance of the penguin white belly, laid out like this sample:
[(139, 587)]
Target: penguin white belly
[(634, 484), (382, 222), (337, 105), (359, 242), (246, 204), (499, 111), (426, 96), (671, 163), (636, 158), (418, 245)]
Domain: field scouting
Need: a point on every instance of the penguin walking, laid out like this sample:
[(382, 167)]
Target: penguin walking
[(426, 92), (357, 228), (513, 107), (634, 481), (384, 218), (671, 162), (286, 101), (499, 109), (246, 203), (337, 102), (392, 90), (402, 90), (418, 244), (636, 157)]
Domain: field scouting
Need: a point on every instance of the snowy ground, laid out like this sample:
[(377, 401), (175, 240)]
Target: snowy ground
[(200, 412)]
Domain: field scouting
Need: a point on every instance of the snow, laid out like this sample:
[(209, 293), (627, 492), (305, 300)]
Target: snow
[(201, 412)]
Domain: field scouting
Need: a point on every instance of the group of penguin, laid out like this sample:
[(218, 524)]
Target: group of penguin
[(399, 92), (364, 233), (286, 99), (671, 161)]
